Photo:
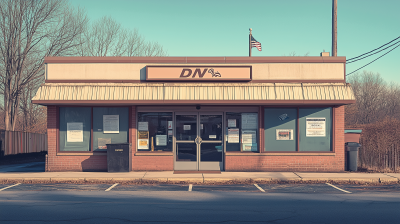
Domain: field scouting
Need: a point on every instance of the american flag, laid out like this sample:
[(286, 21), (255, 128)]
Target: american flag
[(255, 43)]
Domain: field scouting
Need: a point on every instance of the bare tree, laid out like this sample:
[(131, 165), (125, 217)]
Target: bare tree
[(106, 37), (29, 31), (375, 100), (294, 54)]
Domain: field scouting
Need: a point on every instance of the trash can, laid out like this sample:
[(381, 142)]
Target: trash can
[(119, 157), (352, 155)]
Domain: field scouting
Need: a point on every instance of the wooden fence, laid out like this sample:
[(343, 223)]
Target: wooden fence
[(15, 142), (382, 160)]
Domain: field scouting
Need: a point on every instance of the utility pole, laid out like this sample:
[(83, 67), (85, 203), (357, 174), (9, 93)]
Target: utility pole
[(334, 28), (250, 42)]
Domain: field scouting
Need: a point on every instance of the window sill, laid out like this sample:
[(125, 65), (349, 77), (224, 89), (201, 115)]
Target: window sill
[(143, 153), (82, 153), (281, 154)]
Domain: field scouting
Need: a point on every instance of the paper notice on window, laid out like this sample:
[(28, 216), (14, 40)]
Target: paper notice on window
[(250, 147), (143, 126), (284, 134), (249, 137), (231, 123), (249, 120), (110, 123), (233, 135), (186, 127), (315, 127), (161, 140), (75, 132), (169, 132), (102, 143)]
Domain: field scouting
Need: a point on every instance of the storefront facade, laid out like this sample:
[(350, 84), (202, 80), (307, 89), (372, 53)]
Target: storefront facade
[(197, 114)]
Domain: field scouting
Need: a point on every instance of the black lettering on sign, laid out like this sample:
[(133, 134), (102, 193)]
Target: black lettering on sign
[(198, 71), (183, 73)]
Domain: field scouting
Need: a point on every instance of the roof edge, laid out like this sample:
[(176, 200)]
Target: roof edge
[(193, 60)]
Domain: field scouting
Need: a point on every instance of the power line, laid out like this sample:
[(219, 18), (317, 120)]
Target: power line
[(373, 60), (372, 53), (373, 50)]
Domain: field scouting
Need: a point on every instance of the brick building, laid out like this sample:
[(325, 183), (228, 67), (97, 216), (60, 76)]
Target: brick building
[(197, 113)]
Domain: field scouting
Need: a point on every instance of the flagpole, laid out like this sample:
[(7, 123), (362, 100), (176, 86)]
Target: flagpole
[(250, 42)]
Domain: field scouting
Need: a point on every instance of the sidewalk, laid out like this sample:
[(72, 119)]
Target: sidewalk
[(210, 178)]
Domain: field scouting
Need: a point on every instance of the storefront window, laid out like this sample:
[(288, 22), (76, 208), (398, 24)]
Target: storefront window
[(75, 128), (241, 131), (315, 129), (154, 131), (284, 125), (280, 129), (110, 125)]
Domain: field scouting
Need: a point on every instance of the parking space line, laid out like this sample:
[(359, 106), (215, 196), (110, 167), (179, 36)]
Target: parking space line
[(259, 188), (338, 188), (10, 186), (108, 189), (190, 187)]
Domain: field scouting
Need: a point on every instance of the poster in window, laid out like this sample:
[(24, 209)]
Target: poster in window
[(110, 123), (249, 120), (143, 143), (161, 140), (231, 123), (169, 124), (143, 140), (233, 135), (75, 132), (284, 134), (143, 135), (143, 126), (249, 136), (102, 143), (315, 127), (186, 127)]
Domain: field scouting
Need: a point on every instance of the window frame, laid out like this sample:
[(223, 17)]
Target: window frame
[(297, 151), (136, 134), (258, 134), (91, 151)]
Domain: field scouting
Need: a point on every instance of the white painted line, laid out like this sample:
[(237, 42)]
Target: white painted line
[(10, 186), (338, 188), (108, 189), (259, 188), (190, 187)]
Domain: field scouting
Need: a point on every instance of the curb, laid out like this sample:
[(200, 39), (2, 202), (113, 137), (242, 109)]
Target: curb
[(216, 181)]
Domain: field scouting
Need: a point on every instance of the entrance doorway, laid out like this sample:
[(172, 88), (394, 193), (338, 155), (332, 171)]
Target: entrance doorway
[(199, 141)]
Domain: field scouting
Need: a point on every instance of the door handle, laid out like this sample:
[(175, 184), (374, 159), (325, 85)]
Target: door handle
[(198, 140)]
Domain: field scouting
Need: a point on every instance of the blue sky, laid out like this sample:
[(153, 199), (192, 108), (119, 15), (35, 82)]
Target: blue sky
[(221, 27)]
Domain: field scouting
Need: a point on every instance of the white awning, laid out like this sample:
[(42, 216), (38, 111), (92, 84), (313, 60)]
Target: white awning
[(194, 93)]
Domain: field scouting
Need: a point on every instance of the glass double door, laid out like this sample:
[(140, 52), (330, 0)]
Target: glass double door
[(198, 141)]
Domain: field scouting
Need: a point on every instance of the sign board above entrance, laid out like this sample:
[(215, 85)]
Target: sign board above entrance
[(198, 73)]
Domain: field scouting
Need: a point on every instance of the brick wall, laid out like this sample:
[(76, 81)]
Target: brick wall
[(141, 163), (323, 163)]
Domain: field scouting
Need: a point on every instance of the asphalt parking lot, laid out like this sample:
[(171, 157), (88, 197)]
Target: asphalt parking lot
[(264, 188)]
